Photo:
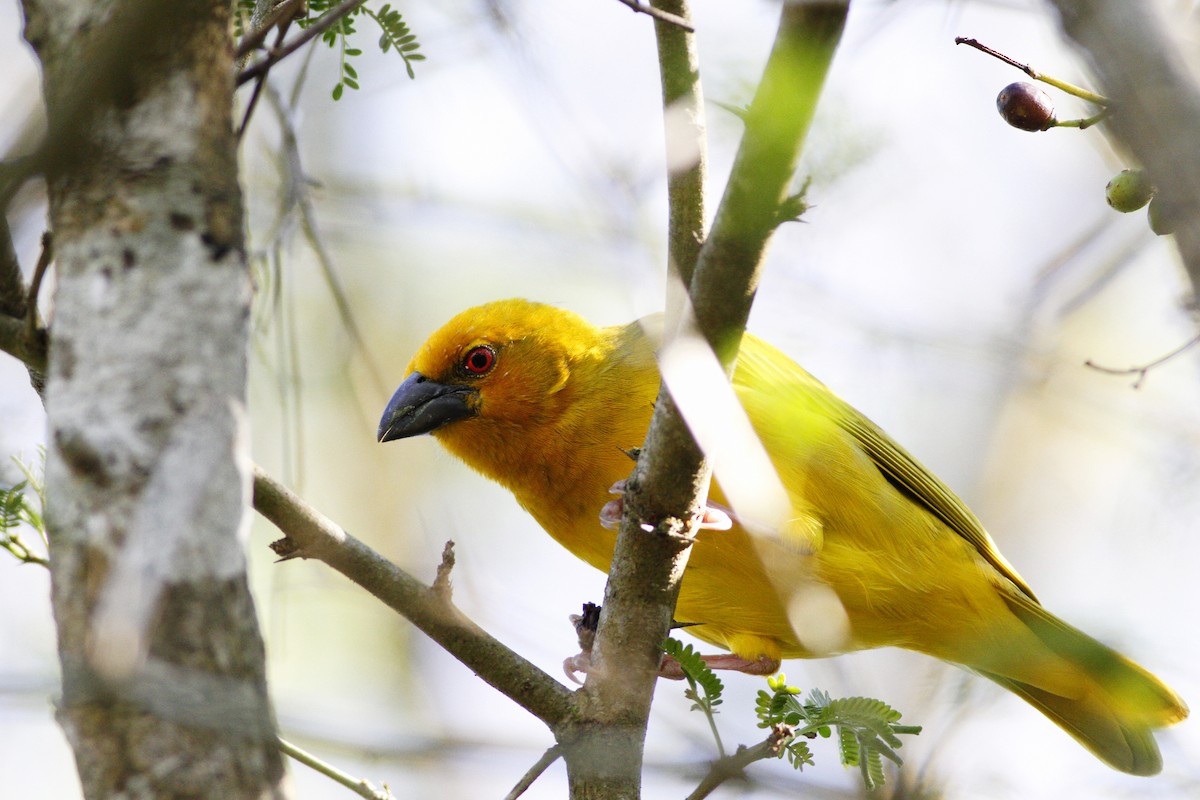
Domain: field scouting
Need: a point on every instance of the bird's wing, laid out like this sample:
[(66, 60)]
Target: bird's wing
[(766, 365)]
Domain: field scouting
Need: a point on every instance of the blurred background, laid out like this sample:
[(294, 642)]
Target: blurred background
[(951, 279)]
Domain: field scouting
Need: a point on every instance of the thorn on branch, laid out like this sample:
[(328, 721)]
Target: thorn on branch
[(286, 549), (659, 14), (441, 582), (794, 205)]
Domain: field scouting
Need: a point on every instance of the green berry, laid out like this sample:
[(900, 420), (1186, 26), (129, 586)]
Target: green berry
[(1025, 106), (1129, 190)]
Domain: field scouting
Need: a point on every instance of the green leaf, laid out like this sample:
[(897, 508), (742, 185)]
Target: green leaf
[(867, 729), (337, 92)]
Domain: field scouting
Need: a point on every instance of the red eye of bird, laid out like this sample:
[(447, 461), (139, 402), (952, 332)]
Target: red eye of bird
[(479, 360)]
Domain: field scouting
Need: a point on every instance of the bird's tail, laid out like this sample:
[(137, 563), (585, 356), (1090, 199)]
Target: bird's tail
[(1109, 704)]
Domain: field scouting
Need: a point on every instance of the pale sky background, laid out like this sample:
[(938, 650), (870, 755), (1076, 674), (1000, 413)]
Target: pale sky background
[(950, 281)]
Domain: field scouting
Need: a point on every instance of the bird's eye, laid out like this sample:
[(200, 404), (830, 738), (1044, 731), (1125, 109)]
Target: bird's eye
[(479, 360)]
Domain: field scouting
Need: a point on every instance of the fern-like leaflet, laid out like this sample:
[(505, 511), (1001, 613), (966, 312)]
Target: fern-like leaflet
[(704, 687), (867, 729), (396, 36)]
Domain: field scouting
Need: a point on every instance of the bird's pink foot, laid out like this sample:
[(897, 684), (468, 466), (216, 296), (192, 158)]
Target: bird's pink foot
[(576, 664), (585, 628), (714, 517), (670, 669)]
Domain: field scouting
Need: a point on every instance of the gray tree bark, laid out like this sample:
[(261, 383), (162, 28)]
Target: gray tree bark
[(164, 690), (1140, 55)]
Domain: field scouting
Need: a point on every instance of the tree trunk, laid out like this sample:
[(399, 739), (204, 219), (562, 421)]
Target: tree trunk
[(164, 690)]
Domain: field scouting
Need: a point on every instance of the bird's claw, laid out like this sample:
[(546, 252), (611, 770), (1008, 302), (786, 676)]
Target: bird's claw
[(713, 517), (576, 664)]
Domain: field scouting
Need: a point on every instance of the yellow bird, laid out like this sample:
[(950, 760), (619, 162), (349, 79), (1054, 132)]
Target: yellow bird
[(545, 403)]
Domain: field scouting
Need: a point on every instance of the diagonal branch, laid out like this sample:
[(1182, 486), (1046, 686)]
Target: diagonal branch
[(311, 535), (661, 14), (327, 21), (664, 493)]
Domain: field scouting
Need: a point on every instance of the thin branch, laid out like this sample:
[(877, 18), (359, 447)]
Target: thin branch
[(12, 282), (663, 494), (660, 14), (1050, 80), (327, 21), (299, 201), (734, 766), (15, 545), (35, 285), (1144, 369), (29, 350), (686, 144), (261, 81), (311, 535), (777, 122), (535, 772), (359, 786), (27, 343), (285, 12), (646, 570)]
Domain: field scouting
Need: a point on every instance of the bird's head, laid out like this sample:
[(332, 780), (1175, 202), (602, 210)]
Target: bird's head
[(500, 366)]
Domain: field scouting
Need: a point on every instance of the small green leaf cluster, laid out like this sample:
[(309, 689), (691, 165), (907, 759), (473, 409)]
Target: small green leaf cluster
[(704, 687), (699, 677), (867, 729), (16, 510), (396, 36)]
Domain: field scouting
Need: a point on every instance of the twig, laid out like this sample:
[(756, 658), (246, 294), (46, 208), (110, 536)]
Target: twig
[(441, 582), (14, 544), (734, 766), (328, 20), (659, 14), (298, 200), (262, 79), (35, 284), (1143, 370), (284, 12), (1069, 88), (535, 772), (361, 787)]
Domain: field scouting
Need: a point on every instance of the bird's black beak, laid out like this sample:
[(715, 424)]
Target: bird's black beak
[(421, 405)]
